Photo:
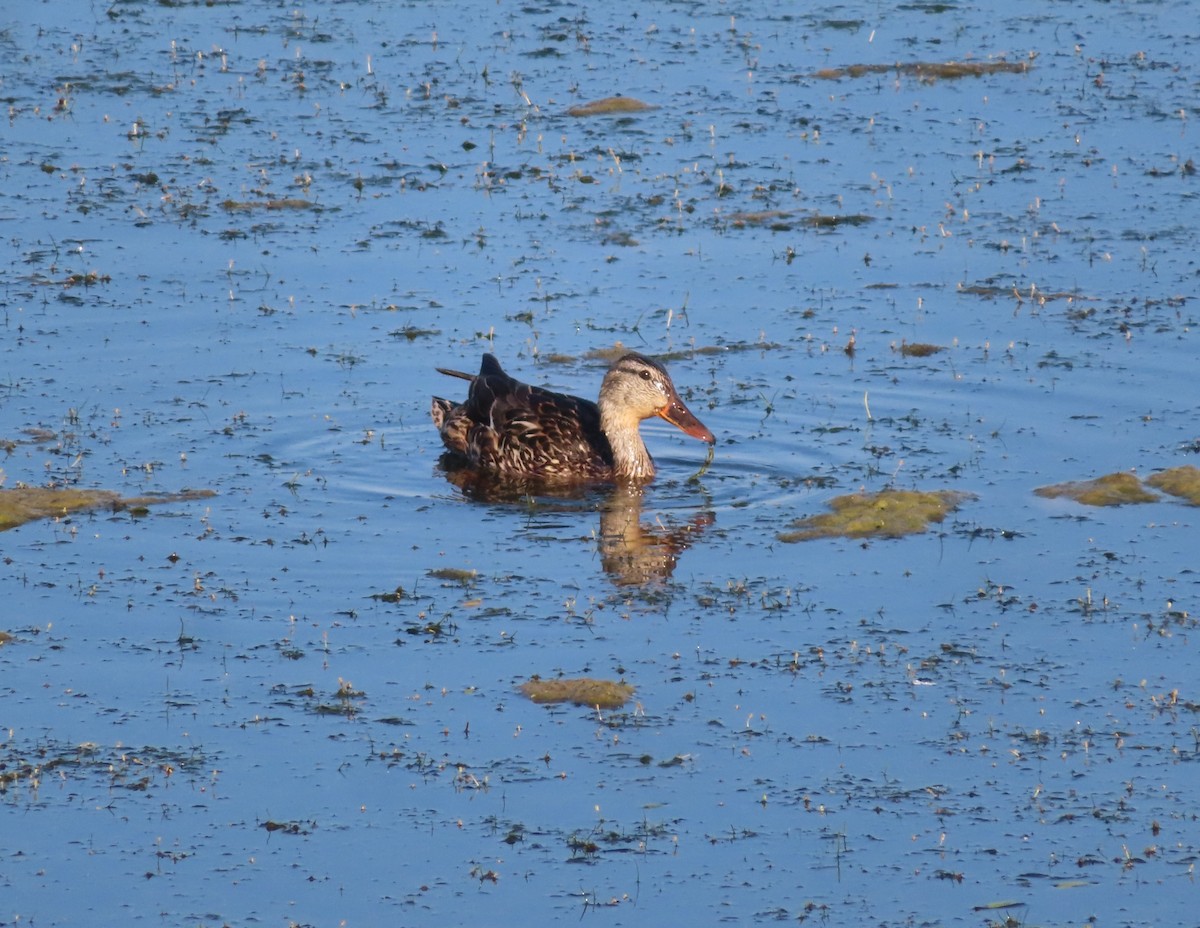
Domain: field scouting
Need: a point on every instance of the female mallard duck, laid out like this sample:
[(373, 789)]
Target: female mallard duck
[(513, 429)]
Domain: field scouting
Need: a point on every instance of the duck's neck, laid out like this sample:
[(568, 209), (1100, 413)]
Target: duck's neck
[(631, 460)]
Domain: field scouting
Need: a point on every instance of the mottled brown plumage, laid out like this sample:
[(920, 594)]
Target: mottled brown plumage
[(513, 429)]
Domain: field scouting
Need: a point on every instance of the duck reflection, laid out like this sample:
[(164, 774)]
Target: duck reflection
[(636, 554), (633, 552)]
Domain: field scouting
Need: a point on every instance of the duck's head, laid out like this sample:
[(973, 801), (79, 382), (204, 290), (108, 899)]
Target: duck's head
[(637, 388)]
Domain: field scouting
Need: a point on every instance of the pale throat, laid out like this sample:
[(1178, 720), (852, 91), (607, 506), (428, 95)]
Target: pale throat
[(630, 457)]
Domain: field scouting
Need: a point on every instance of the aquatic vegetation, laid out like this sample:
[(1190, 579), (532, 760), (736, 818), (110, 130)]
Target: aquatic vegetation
[(289, 828), (1183, 482), (888, 514), (928, 71), (1116, 489), (583, 691), (412, 332), (775, 218), (25, 504), (453, 575), (610, 105), (28, 766), (243, 206), (1033, 293), (785, 220), (896, 717), (828, 221), (918, 349)]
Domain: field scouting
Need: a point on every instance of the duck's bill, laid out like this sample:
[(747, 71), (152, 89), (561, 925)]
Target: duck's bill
[(681, 417)]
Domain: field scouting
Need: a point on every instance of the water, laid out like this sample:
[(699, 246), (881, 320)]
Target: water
[(239, 237)]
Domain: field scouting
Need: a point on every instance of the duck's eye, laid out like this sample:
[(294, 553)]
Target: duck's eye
[(645, 375)]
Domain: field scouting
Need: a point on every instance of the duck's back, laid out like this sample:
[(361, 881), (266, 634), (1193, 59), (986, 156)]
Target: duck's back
[(510, 427)]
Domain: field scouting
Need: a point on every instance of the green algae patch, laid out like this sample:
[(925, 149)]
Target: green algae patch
[(583, 691), (1183, 482), (26, 504), (889, 514), (1110, 490), (609, 106)]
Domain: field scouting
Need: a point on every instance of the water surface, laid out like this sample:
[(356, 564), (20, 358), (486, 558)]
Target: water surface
[(238, 238)]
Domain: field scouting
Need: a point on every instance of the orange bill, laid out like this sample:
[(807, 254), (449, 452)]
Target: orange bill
[(682, 418)]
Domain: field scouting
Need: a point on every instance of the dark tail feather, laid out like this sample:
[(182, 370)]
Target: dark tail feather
[(489, 368)]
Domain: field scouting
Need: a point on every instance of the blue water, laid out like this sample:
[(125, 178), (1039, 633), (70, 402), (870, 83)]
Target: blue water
[(294, 214)]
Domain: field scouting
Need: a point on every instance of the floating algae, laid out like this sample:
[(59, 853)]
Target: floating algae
[(583, 691), (454, 575), (25, 504), (1183, 482), (1110, 490), (610, 105), (889, 514), (918, 349), (247, 206), (784, 220), (928, 71)]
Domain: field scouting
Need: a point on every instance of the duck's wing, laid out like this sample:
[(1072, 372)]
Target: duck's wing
[(531, 430)]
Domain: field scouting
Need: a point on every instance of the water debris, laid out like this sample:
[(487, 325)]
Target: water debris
[(583, 691), (1183, 482), (117, 766), (779, 220), (90, 279), (412, 333), (289, 828), (246, 206), (1031, 293), (918, 349), (454, 574), (928, 71), (887, 514), (393, 597), (609, 355), (609, 106), (25, 504), (828, 221), (1002, 904), (1110, 490)]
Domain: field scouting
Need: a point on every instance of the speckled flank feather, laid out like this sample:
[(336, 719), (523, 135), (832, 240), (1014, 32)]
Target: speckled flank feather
[(511, 428)]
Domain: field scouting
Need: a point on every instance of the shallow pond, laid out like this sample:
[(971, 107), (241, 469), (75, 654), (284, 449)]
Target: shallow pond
[(239, 237)]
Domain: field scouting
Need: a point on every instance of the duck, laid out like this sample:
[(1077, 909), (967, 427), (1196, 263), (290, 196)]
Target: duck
[(515, 430)]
